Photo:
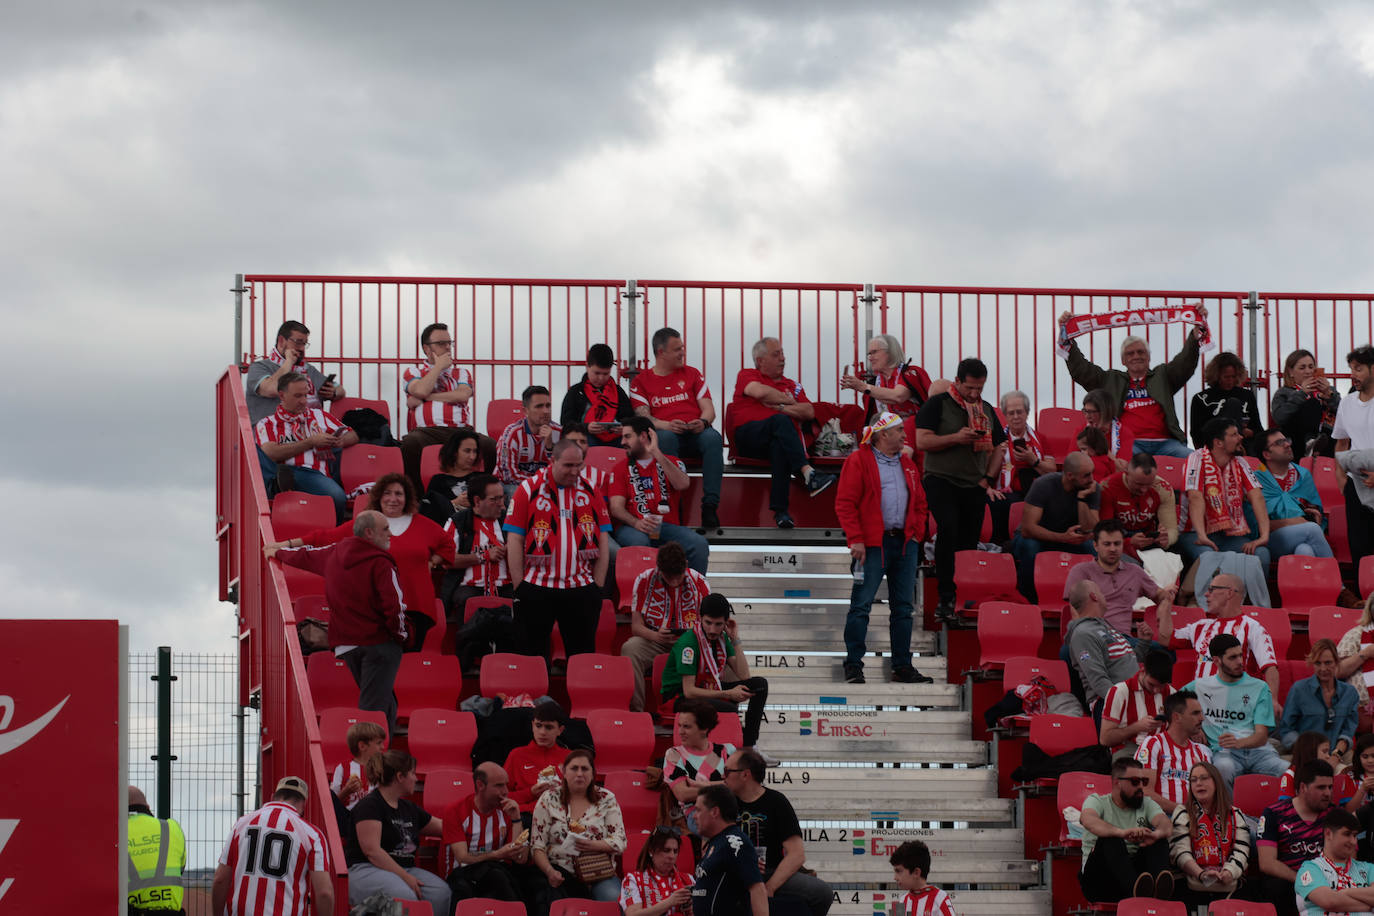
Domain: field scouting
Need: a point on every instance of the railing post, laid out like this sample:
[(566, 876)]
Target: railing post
[(1252, 306), (240, 791), (633, 294), (868, 299), (238, 291), (164, 756)]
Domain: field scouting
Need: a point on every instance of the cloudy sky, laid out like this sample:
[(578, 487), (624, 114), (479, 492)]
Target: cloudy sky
[(151, 151)]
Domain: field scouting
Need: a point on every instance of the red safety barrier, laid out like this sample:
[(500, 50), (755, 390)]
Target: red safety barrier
[(270, 661), (1329, 326)]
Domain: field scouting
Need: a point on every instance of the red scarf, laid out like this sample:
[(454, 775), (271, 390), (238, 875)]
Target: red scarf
[(1287, 481), (301, 367), (1212, 840), (296, 427), (1006, 480), (977, 420), (1222, 496), (712, 658), (1342, 880), (1328, 417), (602, 403)]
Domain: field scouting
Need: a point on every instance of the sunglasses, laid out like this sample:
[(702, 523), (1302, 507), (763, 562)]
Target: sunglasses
[(1139, 782), (665, 830)]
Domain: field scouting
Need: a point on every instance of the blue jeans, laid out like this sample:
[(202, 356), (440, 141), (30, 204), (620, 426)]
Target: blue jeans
[(1235, 543), (706, 445), (1304, 539), (898, 560), (1235, 761), (1170, 447), (1025, 550), (308, 480), (697, 548)]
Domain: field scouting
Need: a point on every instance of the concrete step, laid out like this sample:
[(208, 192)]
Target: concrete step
[(866, 902), (772, 559), (807, 692), (791, 747), (800, 586), (829, 668), (998, 869), (928, 794), (856, 729), (858, 844), (815, 624)]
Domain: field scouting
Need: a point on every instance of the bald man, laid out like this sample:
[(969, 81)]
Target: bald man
[(1060, 514), (478, 831)]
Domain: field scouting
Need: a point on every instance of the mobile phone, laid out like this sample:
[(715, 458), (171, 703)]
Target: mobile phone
[(1018, 443), (329, 379)]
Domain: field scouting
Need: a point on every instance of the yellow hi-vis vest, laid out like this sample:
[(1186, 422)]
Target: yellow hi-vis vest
[(157, 855)]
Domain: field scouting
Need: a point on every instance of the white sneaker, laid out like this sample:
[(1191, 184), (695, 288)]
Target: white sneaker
[(768, 759)]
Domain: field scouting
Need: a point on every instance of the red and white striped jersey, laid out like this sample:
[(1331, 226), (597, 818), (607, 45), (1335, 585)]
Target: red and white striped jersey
[(1171, 762), (440, 413), (463, 823), (1254, 640), (342, 773), (562, 528), (1128, 702), (271, 853), (929, 901), (649, 888), (520, 454), (599, 480), (282, 427), (490, 574)]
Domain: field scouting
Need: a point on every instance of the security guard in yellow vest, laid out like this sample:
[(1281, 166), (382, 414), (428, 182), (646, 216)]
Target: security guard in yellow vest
[(157, 855)]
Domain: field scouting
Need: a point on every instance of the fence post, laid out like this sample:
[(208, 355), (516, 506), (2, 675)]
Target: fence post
[(1252, 306), (633, 294), (164, 756), (866, 330), (240, 792), (238, 291)]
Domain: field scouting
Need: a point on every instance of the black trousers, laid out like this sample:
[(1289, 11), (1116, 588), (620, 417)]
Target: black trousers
[(958, 513), (1359, 523), (753, 713), (497, 880), (374, 670), (1110, 872), (1278, 892), (576, 611), (776, 441)]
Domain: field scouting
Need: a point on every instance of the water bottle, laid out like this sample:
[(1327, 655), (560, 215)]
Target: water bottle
[(856, 566)]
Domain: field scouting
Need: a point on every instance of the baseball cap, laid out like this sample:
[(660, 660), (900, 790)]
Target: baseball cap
[(294, 784)]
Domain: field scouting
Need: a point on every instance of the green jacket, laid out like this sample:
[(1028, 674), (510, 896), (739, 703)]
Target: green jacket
[(1163, 381)]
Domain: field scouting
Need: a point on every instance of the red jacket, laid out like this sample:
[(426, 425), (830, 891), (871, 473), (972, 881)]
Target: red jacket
[(859, 500), (523, 766), (365, 605)]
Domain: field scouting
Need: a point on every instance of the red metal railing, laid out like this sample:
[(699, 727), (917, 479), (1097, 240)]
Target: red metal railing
[(270, 661), (1329, 325)]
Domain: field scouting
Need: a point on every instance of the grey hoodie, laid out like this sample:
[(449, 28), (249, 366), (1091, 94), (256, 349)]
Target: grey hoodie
[(1102, 655)]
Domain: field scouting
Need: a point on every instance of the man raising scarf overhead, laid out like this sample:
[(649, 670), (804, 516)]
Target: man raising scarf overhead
[(706, 664)]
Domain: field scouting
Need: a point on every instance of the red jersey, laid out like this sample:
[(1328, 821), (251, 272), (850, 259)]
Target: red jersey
[(928, 901), (1136, 513), (271, 853), (1254, 640), (746, 409), (520, 454), (463, 823), (283, 427), (670, 397), (440, 413), (523, 766), (647, 888), (342, 772), (562, 528), (659, 605), (1128, 702), (645, 487), (1141, 414), (489, 574), (913, 378), (1171, 762)]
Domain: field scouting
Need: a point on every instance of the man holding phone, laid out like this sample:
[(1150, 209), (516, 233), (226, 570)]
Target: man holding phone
[(263, 380), (303, 438), (597, 400)]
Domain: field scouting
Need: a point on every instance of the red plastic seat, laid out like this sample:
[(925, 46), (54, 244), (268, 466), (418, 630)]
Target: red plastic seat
[(301, 582), (1149, 906), (295, 513), (331, 683), (1051, 572), (1253, 792), (1276, 623), (1074, 788), (608, 458), (1305, 582), (1329, 480), (638, 803), (1007, 630), (1018, 509), (623, 740), (444, 786), (629, 563), (1331, 622), (597, 681), (343, 405), (634, 842), (501, 413), (729, 730), (1291, 670), (428, 679), (1338, 537), (429, 463), (508, 673), (1019, 669), (316, 606), (363, 463), (1058, 429), (980, 576), (570, 906), (1055, 734), (605, 628), (1170, 470), (666, 715), (485, 906), (334, 723), (441, 738), (416, 908), (1240, 908), (1366, 581)]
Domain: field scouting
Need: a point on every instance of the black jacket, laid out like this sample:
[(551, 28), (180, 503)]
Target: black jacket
[(576, 405)]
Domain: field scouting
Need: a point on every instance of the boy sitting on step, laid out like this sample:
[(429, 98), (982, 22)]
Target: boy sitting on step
[(910, 867)]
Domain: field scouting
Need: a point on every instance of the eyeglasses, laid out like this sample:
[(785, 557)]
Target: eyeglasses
[(1283, 441), (442, 344), (665, 830), (300, 344), (1219, 588), (1138, 781), (734, 769)]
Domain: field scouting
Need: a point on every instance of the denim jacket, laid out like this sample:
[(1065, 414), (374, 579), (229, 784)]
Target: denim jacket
[(1306, 711)]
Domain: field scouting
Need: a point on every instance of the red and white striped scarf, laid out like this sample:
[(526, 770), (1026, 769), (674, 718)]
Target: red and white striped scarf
[(1223, 495), (977, 420), (1213, 840), (712, 658), (1287, 481), (296, 427), (302, 367), (1006, 480)]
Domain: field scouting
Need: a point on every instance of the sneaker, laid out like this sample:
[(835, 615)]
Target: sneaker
[(709, 519), (1164, 885), (818, 482), (784, 520), (854, 674), (945, 612), (768, 759), (907, 674), (1144, 885)]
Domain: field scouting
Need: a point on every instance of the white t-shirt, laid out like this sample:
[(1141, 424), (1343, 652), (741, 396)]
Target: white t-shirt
[(1355, 421)]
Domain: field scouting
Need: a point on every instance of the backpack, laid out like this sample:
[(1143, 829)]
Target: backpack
[(371, 427)]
